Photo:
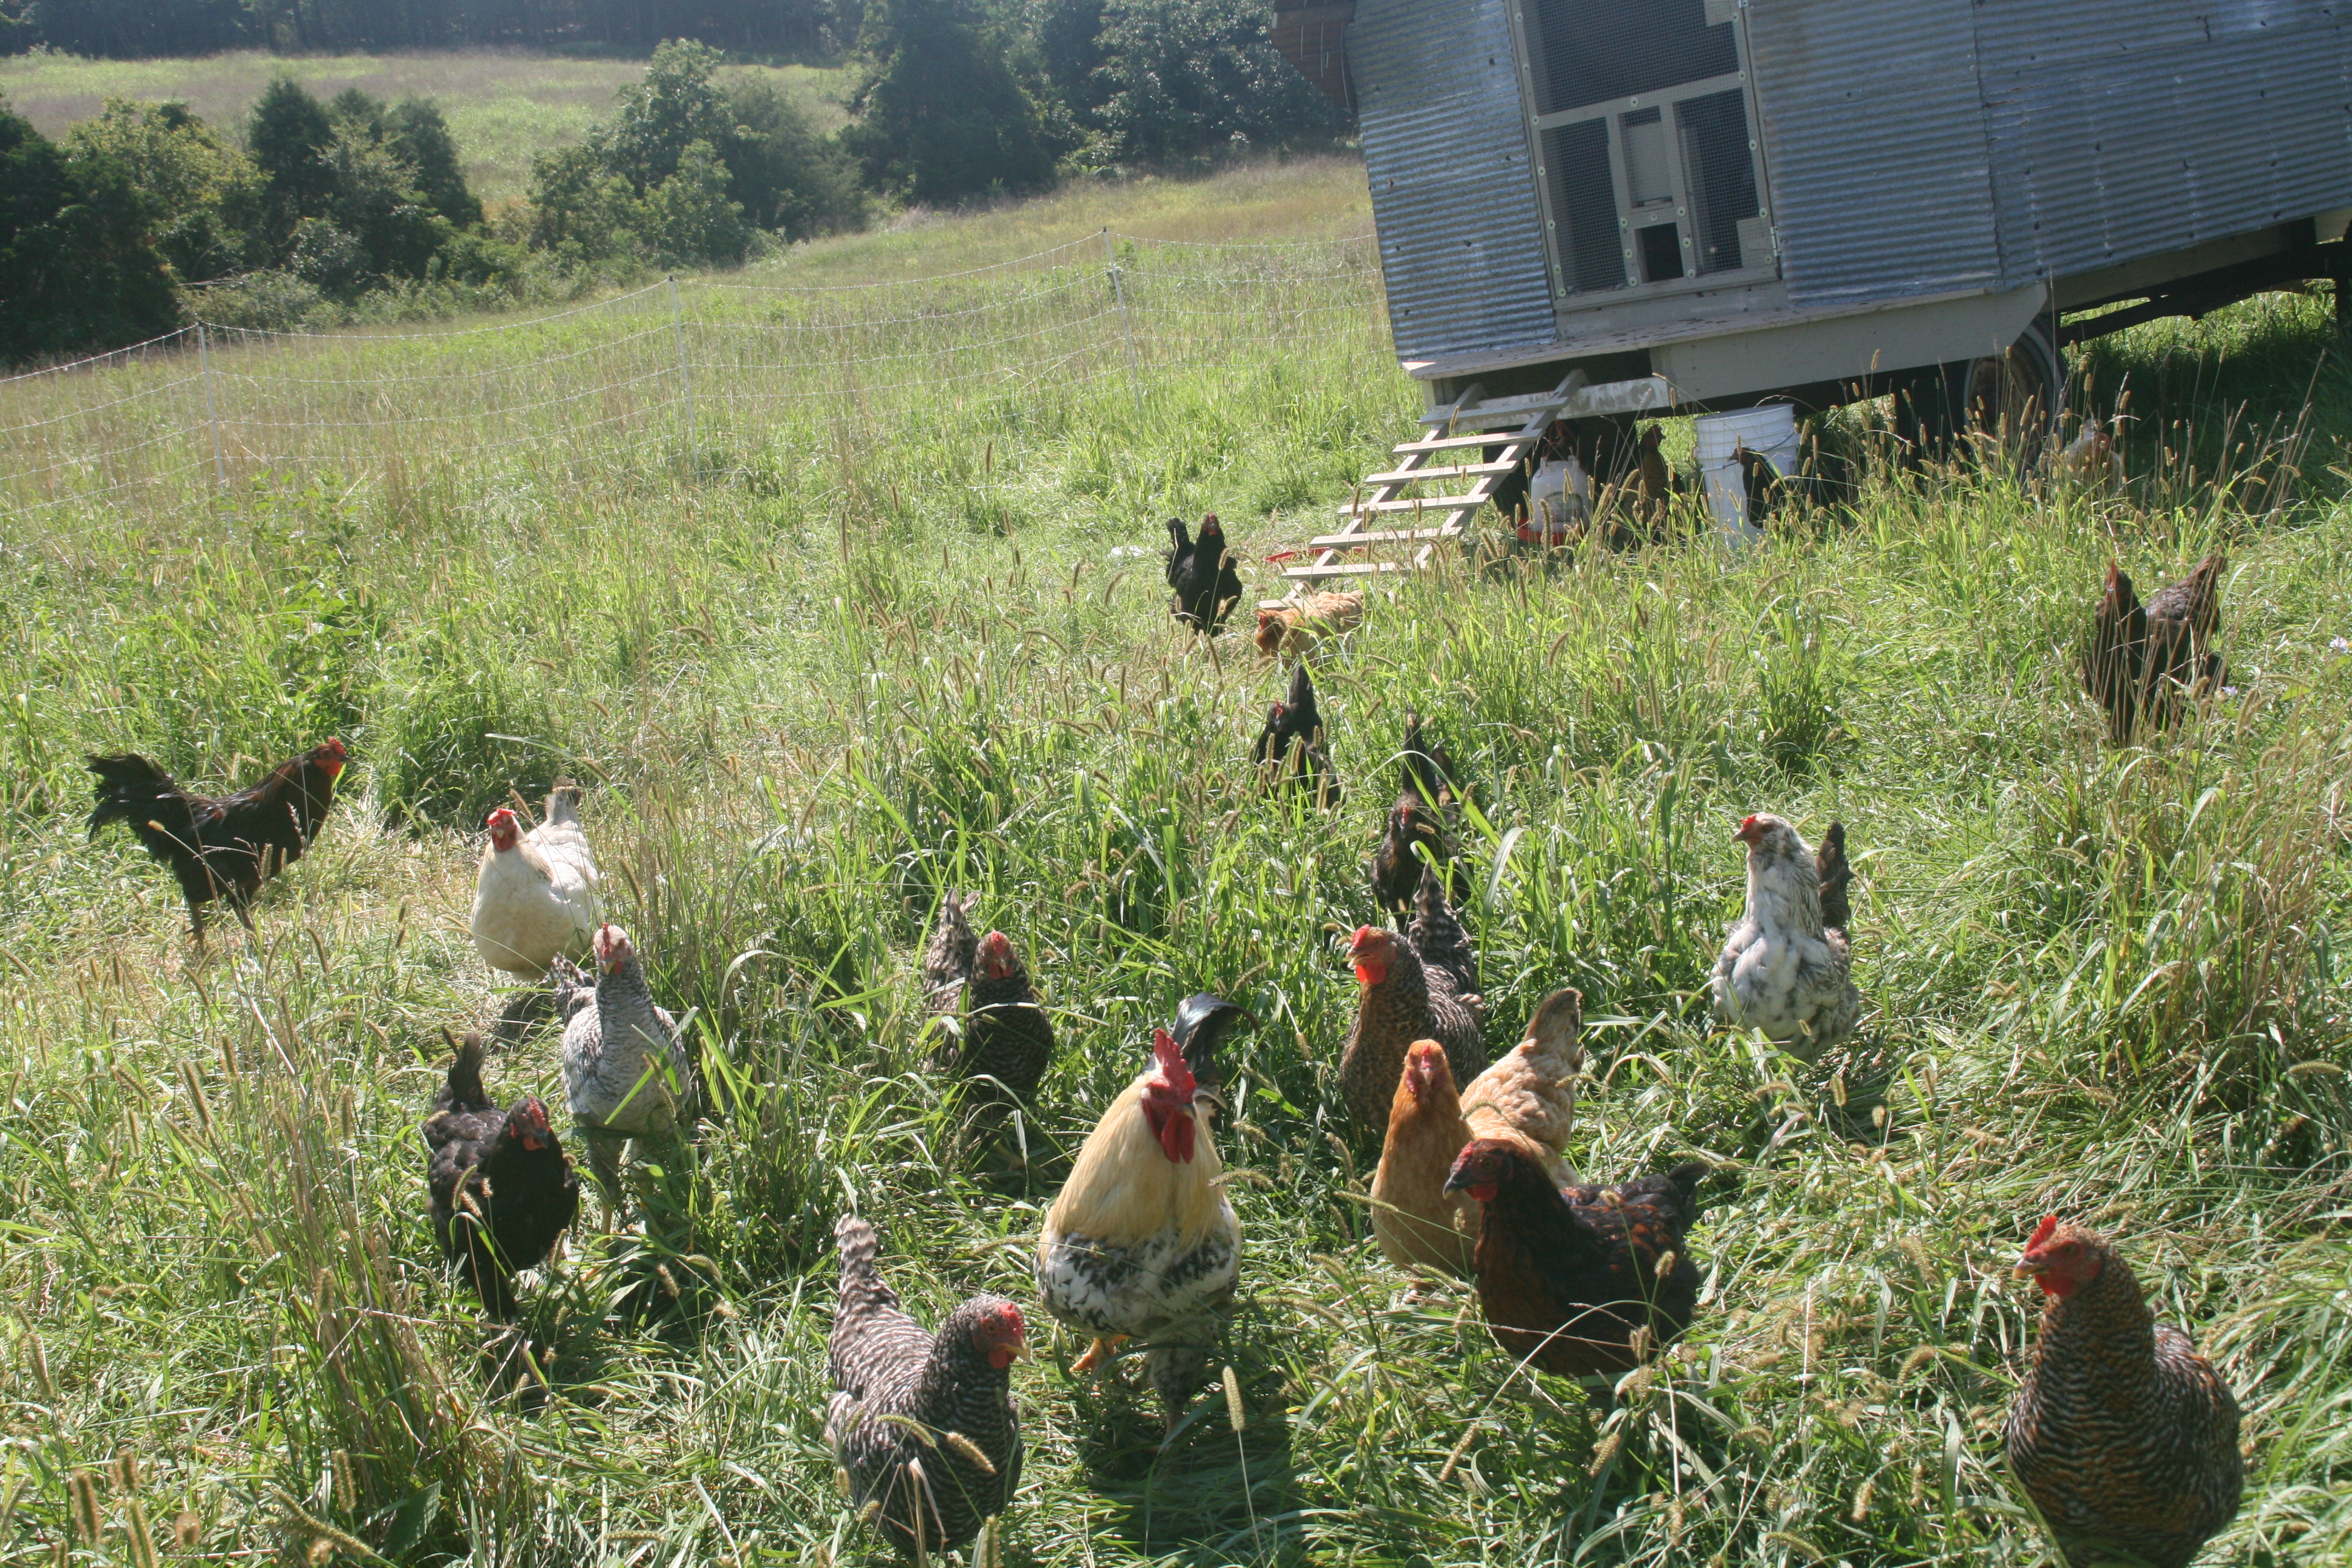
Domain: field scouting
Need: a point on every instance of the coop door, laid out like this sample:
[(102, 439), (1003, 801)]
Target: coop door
[(1646, 149)]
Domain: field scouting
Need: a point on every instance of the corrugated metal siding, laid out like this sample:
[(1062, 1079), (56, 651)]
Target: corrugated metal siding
[(2125, 130), (1453, 195), (1873, 134)]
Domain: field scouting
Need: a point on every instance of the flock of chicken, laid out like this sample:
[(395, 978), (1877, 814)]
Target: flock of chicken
[(2122, 1435)]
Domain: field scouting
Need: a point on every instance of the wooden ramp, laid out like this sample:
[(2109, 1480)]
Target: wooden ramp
[(1388, 511)]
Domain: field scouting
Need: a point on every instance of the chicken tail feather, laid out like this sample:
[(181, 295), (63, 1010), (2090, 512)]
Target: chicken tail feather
[(861, 1283), (1834, 872)]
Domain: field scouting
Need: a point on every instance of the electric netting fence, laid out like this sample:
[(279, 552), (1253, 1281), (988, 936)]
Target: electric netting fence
[(691, 377)]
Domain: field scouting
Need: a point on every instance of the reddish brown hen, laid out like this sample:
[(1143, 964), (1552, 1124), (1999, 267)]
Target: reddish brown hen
[(2124, 1437), (1568, 1275), (2142, 663)]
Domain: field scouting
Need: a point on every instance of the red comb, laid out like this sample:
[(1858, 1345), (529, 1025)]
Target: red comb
[(1168, 1058), (2041, 1232)]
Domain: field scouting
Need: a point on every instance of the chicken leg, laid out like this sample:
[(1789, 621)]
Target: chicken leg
[(1099, 1352)]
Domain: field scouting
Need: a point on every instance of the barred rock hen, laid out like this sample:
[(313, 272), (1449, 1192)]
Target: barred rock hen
[(923, 1423), (1291, 744), (1528, 1098), (502, 1190), (1783, 969), (1201, 573), (1418, 986), (628, 1072), (1141, 1242), (535, 893), (1006, 1042), (220, 848), (1568, 1275), (2124, 1438), (2142, 663), (948, 958)]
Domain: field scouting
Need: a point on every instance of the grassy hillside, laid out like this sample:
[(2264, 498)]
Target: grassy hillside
[(893, 623), (502, 105)]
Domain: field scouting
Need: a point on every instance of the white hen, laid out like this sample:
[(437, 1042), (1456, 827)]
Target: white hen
[(535, 895), (1782, 971)]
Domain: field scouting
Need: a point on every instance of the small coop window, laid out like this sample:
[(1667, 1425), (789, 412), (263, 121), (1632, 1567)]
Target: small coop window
[(1647, 161)]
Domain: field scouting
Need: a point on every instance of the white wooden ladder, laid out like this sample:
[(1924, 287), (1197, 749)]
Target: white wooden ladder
[(1430, 520)]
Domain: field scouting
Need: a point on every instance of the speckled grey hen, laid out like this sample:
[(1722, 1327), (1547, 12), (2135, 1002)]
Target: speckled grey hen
[(628, 1072), (1782, 971), (923, 1425), (2124, 1437), (1420, 986)]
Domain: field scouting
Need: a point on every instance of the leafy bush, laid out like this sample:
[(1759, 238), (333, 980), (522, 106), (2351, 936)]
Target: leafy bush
[(76, 272)]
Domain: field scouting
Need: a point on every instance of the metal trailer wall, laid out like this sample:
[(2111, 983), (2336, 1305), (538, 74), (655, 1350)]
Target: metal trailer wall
[(1913, 148), (1875, 148), (2120, 130), (1453, 195)]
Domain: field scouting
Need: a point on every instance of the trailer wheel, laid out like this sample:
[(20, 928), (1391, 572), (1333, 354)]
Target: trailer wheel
[(2007, 403)]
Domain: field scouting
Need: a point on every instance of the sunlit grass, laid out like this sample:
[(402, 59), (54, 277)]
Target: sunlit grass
[(850, 648)]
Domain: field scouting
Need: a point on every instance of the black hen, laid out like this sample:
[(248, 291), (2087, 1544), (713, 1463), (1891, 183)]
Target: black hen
[(2142, 661), (502, 1191), (1201, 573), (1291, 744), (219, 848), (1425, 795), (1569, 1275), (922, 1425)]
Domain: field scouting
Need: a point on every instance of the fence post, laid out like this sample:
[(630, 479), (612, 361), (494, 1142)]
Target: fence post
[(1126, 323), (684, 373), (212, 411)]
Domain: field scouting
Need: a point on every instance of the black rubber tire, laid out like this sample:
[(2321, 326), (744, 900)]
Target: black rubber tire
[(2014, 399)]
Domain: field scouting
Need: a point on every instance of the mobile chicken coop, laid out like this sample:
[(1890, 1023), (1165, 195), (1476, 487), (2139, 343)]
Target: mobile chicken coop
[(1592, 209)]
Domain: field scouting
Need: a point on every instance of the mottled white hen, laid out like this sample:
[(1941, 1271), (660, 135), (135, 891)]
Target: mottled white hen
[(535, 895), (1782, 971)]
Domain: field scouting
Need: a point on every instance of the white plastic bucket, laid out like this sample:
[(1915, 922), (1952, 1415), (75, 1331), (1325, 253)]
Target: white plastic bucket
[(1768, 431)]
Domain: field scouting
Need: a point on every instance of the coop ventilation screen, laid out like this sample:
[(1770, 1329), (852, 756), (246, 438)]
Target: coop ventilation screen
[(1644, 151)]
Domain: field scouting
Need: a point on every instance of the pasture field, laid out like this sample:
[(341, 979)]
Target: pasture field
[(502, 105), (883, 615)]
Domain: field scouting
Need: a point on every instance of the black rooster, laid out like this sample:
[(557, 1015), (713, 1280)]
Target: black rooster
[(223, 848), (502, 1190), (1202, 571)]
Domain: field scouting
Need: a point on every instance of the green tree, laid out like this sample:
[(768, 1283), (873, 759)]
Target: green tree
[(1187, 78), (942, 116), (289, 134), (688, 218), (579, 207), (787, 176), (76, 273), (674, 107), (420, 138), (201, 196)]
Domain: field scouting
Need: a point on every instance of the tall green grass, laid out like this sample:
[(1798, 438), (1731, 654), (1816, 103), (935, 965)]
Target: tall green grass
[(835, 658)]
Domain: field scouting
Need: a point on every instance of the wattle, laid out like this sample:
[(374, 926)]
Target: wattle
[(1371, 974)]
